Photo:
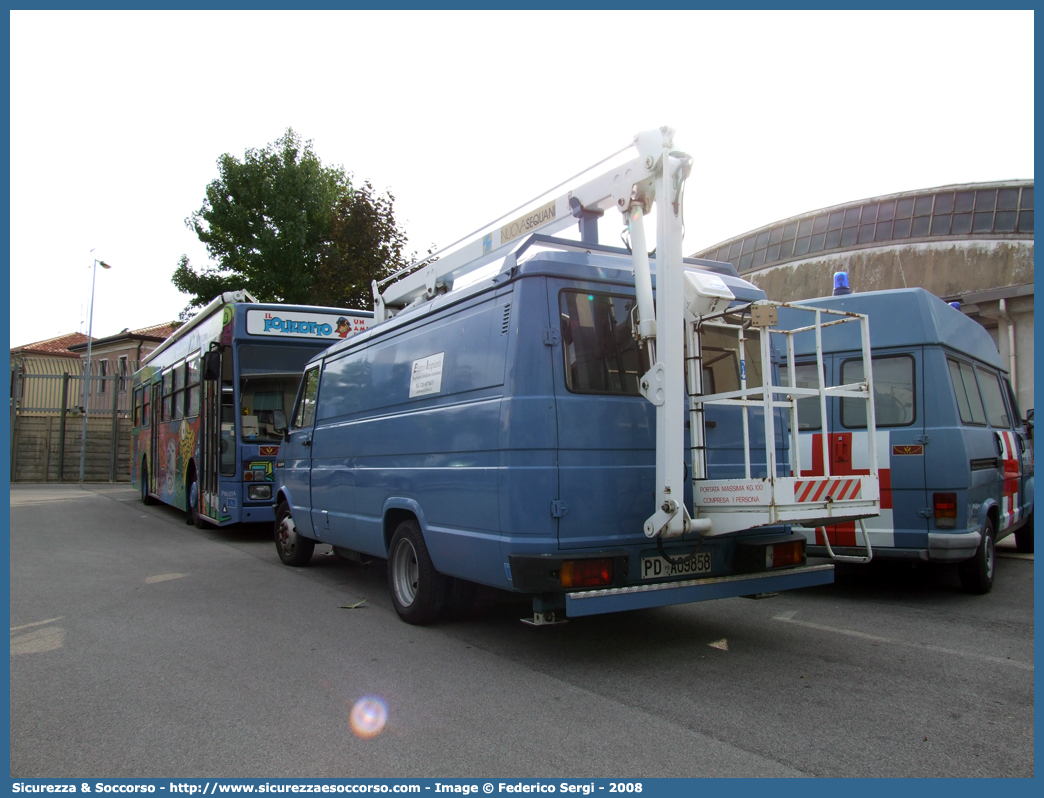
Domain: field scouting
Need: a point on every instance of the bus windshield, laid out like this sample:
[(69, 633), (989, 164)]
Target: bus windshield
[(268, 381)]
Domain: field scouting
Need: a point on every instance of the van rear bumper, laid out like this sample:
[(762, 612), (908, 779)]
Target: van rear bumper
[(662, 594), (952, 546), (942, 547)]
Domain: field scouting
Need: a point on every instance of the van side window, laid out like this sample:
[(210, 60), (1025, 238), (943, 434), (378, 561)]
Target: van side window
[(304, 413), (809, 417), (601, 355), (969, 403), (996, 412), (893, 392), (1013, 402)]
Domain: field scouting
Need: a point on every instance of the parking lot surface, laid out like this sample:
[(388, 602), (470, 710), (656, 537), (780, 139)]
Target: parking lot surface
[(141, 646)]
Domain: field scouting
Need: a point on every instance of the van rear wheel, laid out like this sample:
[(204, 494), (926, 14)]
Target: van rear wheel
[(293, 549), (977, 573), (418, 591)]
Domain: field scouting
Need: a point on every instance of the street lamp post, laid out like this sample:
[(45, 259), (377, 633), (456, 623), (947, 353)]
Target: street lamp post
[(87, 366)]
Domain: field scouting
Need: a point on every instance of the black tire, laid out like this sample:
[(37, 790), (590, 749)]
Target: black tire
[(145, 497), (418, 591), (977, 573), (293, 548), (193, 506)]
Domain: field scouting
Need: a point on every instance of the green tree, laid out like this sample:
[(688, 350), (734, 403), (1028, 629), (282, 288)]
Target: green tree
[(365, 245), (288, 229)]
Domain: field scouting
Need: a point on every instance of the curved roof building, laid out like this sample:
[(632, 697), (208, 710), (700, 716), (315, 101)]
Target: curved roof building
[(971, 243)]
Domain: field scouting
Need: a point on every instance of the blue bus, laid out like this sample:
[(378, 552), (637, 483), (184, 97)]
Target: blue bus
[(210, 404)]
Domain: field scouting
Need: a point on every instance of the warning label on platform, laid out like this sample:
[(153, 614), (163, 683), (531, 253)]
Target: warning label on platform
[(733, 493)]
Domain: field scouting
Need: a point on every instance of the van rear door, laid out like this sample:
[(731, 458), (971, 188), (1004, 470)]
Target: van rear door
[(900, 418), (606, 429), (902, 444)]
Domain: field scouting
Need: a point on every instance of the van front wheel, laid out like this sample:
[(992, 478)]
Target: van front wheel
[(977, 573), (418, 591), (293, 549)]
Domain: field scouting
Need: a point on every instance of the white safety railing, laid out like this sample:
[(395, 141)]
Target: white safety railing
[(783, 494)]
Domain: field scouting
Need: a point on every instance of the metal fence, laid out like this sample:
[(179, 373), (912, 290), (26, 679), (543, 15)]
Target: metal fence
[(47, 424)]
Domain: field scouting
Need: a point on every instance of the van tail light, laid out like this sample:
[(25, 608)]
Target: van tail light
[(586, 573), (780, 555), (945, 510), (763, 553)]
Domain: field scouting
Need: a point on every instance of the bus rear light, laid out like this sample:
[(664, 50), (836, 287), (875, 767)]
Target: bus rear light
[(248, 476), (945, 510), (586, 573)]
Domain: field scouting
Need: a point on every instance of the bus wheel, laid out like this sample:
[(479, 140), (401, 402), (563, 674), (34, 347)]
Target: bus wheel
[(145, 497), (977, 573), (1024, 536), (193, 505), (293, 549), (418, 591)]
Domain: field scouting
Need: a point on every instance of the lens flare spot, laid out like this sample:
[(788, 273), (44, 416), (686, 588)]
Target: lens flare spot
[(368, 716)]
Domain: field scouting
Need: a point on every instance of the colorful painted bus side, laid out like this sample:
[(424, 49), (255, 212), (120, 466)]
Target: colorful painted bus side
[(210, 404)]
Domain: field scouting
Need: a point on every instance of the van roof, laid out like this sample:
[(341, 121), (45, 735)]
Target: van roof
[(569, 260), (911, 317)]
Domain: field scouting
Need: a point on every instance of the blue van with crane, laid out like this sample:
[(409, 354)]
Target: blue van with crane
[(596, 428)]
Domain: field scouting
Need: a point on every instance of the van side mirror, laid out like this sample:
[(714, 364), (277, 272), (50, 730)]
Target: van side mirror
[(1029, 422), (279, 422)]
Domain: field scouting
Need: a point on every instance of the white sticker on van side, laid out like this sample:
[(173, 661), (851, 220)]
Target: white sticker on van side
[(426, 375)]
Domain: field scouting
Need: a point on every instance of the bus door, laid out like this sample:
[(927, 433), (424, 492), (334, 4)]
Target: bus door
[(154, 431), (210, 435)]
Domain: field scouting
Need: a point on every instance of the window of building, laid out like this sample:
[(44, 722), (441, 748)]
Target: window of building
[(103, 373), (947, 213)]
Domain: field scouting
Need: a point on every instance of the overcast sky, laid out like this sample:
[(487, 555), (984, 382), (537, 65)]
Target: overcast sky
[(118, 118)]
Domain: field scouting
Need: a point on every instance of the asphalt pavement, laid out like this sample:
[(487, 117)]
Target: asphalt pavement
[(141, 646)]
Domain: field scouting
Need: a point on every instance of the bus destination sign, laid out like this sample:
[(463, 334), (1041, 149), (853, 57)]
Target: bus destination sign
[(299, 324)]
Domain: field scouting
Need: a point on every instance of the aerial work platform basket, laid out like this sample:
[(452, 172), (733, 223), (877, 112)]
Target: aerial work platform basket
[(782, 493)]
